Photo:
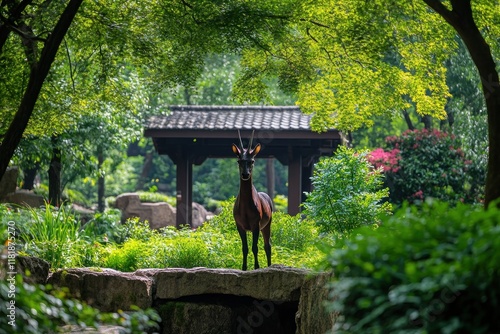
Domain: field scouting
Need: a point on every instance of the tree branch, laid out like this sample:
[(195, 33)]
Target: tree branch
[(439, 8)]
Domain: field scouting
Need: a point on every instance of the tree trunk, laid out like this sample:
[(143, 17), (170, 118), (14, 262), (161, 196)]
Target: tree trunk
[(15, 11), (55, 174), (29, 177), (427, 120), (270, 178), (408, 121), (461, 19), (38, 74), (146, 168), (100, 183)]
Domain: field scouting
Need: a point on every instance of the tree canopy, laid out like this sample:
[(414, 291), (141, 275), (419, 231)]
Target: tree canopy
[(348, 61)]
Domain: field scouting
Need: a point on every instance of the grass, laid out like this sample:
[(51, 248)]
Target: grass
[(56, 236)]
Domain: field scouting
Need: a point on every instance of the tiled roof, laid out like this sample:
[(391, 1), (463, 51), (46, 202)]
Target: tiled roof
[(196, 117)]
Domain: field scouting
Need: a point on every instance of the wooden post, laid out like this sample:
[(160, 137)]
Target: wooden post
[(270, 177), (294, 185), (184, 182)]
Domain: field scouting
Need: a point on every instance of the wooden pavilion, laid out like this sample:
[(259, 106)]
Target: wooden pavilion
[(192, 133)]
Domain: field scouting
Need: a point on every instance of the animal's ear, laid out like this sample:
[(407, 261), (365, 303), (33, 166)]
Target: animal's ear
[(236, 150), (256, 150)]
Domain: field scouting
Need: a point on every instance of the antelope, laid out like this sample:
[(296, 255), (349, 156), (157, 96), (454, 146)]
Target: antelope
[(252, 210)]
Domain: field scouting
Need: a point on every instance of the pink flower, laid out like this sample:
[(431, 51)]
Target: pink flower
[(419, 194), (388, 161)]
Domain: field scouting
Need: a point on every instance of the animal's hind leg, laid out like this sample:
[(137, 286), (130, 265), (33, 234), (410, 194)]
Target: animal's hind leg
[(255, 247), (244, 246), (266, 235)]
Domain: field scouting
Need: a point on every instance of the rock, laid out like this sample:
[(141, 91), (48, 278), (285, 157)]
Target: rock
[(25, 198), (311, 312), (108, 290), (157, 214), (277, 299), (8, 183), (106, 329), (84, 215), (281, 283), (187, 318), (33, 269), (199, 215)]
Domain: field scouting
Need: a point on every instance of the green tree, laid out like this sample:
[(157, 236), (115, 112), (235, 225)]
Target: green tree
[(337, 55), (30, 35), (352, 60)]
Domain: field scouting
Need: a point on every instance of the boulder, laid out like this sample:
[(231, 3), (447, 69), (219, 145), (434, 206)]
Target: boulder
[(311, 312), (8, 182), (276, 299), (25, 198), (33, 269), (199, 215), (157, 214), (276, 283), (186, 318), (108, 290)]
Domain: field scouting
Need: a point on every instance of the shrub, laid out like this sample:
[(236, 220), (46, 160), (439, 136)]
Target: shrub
[(347, 193), (423, 163), (430, 271), (293, 232)]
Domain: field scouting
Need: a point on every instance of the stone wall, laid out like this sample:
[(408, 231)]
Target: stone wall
[(277, 299)]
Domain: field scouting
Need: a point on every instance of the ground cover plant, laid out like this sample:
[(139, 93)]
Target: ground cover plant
[(41, 309), (428, 269), (215, 245), (57, 236)]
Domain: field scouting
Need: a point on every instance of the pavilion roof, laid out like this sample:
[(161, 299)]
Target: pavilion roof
[(197, 117)]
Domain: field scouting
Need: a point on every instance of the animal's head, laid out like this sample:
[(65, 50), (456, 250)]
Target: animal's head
[(246, 157)]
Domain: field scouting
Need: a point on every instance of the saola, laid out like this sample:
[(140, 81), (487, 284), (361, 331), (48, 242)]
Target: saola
[(252, 210)]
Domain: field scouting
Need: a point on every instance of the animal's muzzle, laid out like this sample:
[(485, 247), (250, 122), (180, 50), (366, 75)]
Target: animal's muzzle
[(245, 176)]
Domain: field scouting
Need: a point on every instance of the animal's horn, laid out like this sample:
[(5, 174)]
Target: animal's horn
[(241, 142), (251, 140)]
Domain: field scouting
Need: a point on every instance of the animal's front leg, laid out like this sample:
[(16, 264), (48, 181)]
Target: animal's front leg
[(255, 247), (244, 247), (266, 235)]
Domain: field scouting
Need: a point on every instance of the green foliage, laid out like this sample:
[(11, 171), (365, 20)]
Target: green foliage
[(424, 163), (106, 227), (347, 193), (39, 309), (292, 232), (153, 197), (280, 203), (428, 269), (53, 234), (216, 244)]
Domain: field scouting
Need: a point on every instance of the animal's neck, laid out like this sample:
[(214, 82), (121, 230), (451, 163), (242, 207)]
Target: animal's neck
[(246, 188)]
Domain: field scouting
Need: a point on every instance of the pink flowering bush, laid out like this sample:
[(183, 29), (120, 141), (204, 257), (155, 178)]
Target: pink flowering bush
[(425, 163)]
